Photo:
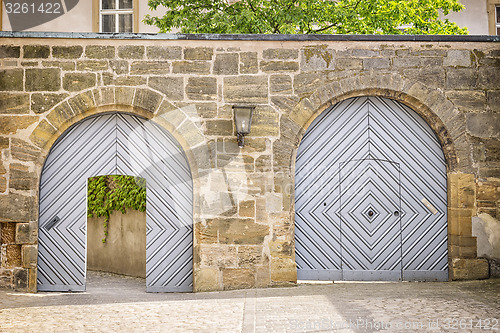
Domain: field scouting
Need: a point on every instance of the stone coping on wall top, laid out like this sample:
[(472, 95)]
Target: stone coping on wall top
[(252, 37)]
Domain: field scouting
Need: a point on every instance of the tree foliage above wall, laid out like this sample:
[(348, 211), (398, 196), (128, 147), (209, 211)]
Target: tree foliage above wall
[(114, 193), (307, 17)]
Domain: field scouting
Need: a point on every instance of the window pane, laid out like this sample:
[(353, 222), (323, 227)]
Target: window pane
[(108, 4), (125, 4), (498, 31), (108, 23), (126, 23), (498, 14)]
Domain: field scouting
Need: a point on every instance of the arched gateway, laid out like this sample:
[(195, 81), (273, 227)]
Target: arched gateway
[(111, 144), (371, 195)]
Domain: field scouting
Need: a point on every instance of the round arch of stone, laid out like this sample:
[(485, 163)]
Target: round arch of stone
[(143, 102), (431, 104)]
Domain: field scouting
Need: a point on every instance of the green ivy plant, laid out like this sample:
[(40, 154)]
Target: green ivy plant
[(114, 193)]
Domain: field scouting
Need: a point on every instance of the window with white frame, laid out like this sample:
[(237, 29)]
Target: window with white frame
[(116, 16)]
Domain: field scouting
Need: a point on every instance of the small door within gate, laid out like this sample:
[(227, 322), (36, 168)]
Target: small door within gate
[(370, 195), (370, 228), (108, 145)]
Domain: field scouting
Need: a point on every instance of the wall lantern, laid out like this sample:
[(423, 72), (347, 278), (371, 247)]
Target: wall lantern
[(243, 121)]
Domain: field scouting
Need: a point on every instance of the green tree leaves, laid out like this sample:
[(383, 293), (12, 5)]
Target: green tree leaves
[(306, 16), (106, 194)]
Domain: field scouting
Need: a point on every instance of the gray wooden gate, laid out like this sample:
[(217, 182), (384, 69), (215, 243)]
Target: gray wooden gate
[(107, 145), (371, 199)]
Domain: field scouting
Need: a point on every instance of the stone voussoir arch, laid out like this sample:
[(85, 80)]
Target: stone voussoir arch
[(430, 103), (143, 102)]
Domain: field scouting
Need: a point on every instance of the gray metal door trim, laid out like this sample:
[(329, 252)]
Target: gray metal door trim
[(115, 144)]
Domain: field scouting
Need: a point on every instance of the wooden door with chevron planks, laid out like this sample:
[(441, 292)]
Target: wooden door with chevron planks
[(106, 145), (370, 195)]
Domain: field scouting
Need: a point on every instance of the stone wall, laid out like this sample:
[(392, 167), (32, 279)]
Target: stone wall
[(243, 199), (124, 251)]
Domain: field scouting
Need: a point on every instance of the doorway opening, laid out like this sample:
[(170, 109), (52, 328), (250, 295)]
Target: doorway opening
[(116, 228)]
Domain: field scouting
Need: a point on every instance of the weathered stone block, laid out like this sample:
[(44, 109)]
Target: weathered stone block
[(149, 67), (11, 79), (457, 58), (25, 233), (283, 270), (251, 256), (494, 100), (233, 231), (246, 208), (23, 151), (226, 64), (488, 78), (42, 102), (191, 67), (14, 103), (3, 184), (263, 163), (11, 255), (147, 99), (406, 62), (46, 79), (206, 279), (100, 52), (172, 87), (131, 52), (61, 114), (306, 83), (81, 103), (430, 76), (42, 133), (119, 66), (7, 233), (202, 88), (79, 81), (246, 89), (10, 124), (281, 84), (20, 177), (20, 278), (67, 52), (91, 65), (317, 57), (36, 51), (63, 65), (171, 114), (280, 54), (10, 51), (483, 125), (375, 63), (124, 96), (468, 101), (279, 66), (469, 269), (164, 52), (219, 127), (248, 63), (461, 78), (238, 278), (198, 53), (349, 63), (265, 122), (5, 279)]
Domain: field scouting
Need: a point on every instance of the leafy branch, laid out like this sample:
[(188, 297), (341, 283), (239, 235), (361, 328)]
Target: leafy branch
[(114, 193)]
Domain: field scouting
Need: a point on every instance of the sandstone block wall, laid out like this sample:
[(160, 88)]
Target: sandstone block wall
[(243, 199)]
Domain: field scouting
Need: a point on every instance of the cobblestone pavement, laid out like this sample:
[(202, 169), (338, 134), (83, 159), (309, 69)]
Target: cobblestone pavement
[(112, 303)]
